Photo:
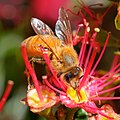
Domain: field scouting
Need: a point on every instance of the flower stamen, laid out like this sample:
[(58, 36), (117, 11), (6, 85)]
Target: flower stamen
[(32, 72), (6, 94), (46, 58), (102, 52)]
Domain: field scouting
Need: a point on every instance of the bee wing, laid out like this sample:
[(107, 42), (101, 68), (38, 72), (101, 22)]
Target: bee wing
[(40, 27), (63, 27)]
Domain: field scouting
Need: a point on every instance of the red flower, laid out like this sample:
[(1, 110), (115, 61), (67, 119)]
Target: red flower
[(90, 87)]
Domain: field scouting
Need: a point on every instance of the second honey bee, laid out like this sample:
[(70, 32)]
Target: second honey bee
[(63, 57)]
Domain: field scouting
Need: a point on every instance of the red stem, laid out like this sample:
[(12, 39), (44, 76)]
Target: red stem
[(6, 94)]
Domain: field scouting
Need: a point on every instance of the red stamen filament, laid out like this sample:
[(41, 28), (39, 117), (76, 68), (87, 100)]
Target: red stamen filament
[(88, 57), (93, 109), (105, 98), (83, 47), (75, 42), (82, 82), (6, 94), (53, 88), (115, 61), (46, 58), (109, 82), (108, 90), (108, 75), (90, 49), (111, 72), (106, 11), (32, 73), (87, 9), (110, 118), (102, 52)]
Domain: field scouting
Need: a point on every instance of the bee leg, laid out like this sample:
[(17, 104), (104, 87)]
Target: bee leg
[(38, 64), (37, 60), (33, 60), (30, 86)]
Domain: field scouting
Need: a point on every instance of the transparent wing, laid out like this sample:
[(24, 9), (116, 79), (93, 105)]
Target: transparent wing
[(40, 27), (63, 28)]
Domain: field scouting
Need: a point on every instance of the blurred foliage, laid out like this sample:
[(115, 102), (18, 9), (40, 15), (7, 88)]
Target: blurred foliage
[(81, 115), (13, 30), (113, 42)]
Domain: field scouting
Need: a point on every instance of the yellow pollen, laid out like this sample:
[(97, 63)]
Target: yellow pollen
[(83, 95), (72, 94), (76, 96)]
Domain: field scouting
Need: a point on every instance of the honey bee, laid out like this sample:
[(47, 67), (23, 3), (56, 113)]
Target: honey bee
[(63, 57)]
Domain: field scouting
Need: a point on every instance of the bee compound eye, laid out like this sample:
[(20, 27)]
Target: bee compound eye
[(68, 77), (73, 73)]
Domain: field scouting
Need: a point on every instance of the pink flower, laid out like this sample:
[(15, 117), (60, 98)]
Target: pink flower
[(90, 87)]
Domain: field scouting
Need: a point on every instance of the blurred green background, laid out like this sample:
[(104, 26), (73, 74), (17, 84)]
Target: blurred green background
[(15, 26)]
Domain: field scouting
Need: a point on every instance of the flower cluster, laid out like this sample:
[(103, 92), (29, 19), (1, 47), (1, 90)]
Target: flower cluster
[(91, 87)]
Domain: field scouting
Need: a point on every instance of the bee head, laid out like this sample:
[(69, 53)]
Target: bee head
[(73, 75)]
